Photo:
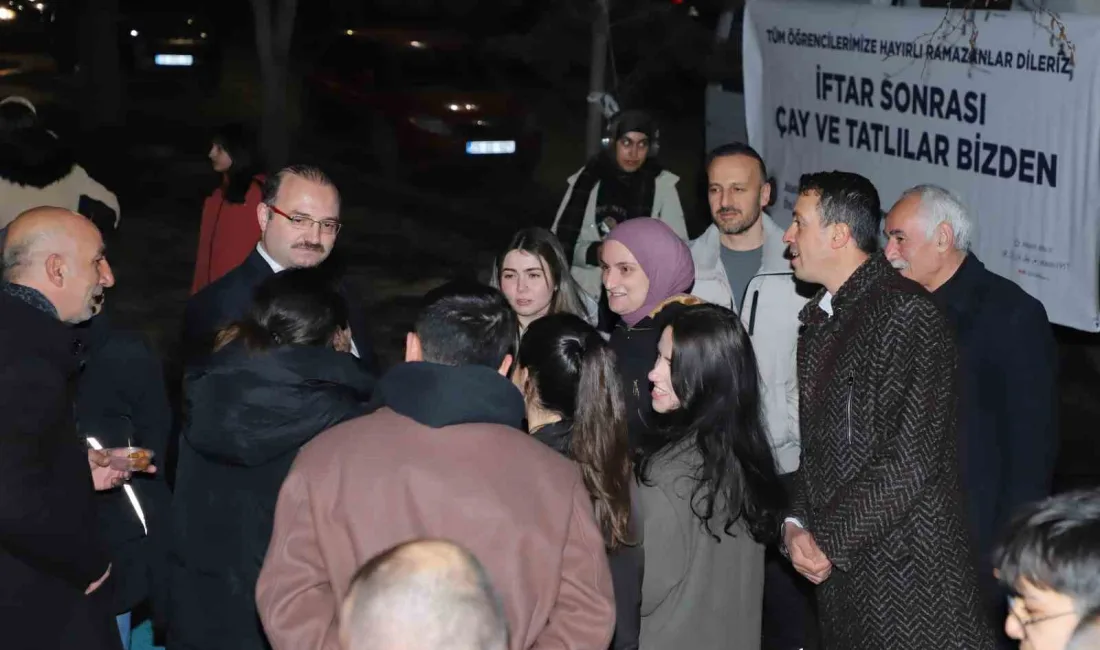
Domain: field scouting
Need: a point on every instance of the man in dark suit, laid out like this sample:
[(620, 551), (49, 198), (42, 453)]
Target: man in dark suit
[(299, 221), (1008, 434), (52, 561)]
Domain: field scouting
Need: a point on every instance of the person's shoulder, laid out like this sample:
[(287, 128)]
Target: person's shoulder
[(674, 459), (905, 310), (337, 444), (1010, 299), (707, 241), (665, 177), (908, 299), (240, 278)]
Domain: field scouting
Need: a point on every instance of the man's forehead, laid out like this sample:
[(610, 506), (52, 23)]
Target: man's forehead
[(733, 169), (807, 203), (302, 195), (635, 136), (902, 215)]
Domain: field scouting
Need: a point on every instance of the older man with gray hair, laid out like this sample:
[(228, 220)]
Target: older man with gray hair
[(1008, 375), (423, 595)]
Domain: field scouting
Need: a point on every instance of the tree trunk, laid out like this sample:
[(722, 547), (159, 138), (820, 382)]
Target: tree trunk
[(101, 73), (600, 28), (274, 23)]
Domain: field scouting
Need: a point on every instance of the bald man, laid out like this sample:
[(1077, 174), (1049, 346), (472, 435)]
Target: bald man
[(422, 595), (54, 271)]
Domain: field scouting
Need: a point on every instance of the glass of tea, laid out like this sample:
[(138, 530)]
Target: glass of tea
[(131, 459)]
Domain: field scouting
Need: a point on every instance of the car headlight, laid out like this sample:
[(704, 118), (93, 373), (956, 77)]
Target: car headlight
[(431, 125), (6, 14)]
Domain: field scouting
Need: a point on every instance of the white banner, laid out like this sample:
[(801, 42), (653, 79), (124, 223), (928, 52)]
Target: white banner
[(1007, 119)]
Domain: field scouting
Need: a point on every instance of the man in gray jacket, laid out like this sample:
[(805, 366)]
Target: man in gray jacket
[(741, 263)]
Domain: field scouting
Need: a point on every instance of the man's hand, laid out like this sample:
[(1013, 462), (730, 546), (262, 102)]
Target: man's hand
[(105, 477), (98, 583), (806, 556)]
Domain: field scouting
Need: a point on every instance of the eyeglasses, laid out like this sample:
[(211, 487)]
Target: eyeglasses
[(302, 222), (1014, 609)]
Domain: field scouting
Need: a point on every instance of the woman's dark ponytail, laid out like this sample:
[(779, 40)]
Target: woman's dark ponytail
[(573, 372), (599, 442)]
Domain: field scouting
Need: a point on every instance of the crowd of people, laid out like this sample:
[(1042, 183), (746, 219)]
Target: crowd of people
[(836, 435)]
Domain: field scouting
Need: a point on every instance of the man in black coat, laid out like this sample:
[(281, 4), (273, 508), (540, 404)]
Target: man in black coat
[(121, 401), (877, 518), (51, 558), (299, 221), (1008, 367)]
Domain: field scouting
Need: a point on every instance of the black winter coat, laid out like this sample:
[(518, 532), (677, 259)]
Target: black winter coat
[(1009, 397), (627, 563), (636, 353), (249, 413), (879, 481), (49, 543), (121, 399)]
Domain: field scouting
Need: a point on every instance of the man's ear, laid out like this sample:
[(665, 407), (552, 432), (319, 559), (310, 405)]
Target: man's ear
[(519, 378), (765, 195), (56, 270), (413, 350), (945, 237), (840, 235), (505, 365), (263, 215)]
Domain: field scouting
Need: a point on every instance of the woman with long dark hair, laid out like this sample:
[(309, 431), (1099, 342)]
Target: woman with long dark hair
[(533, 274), (710, 490), (230, 225), (277, 379), (570, 383)]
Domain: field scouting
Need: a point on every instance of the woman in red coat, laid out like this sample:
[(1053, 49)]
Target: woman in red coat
[(230, 228)]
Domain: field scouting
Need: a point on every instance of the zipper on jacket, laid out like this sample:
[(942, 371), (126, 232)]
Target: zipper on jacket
[(752, 311), (637, 393), (851, 382)]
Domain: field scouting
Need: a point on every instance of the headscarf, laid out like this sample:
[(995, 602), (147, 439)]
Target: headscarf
[(664, 257), (634, 121)]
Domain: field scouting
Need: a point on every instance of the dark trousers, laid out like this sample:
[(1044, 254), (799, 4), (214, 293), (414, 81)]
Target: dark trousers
[(790, 619), (790, 613)]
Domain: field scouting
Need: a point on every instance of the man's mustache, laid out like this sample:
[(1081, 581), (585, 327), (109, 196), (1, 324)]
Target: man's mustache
[(306, 246)]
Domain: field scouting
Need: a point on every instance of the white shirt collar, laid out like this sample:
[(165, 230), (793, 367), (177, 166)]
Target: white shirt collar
[(826, 303), (275, 266)]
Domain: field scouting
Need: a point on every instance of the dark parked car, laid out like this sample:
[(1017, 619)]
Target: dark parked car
[(159, 43), (422, 99)]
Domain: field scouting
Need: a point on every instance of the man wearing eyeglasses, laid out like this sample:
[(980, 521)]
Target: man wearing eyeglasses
[(1049, 560), (299, 220)]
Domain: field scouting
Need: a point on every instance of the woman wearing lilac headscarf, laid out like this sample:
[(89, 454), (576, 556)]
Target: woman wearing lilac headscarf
[(647, 272)]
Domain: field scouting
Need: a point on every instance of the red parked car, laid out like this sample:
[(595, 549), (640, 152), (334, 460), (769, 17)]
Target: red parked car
[(422, 99)]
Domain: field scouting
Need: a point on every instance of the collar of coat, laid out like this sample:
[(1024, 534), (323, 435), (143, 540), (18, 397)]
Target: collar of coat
[(437, 396), (708, 247), (958, 292), (32, 297), (874, 272)]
